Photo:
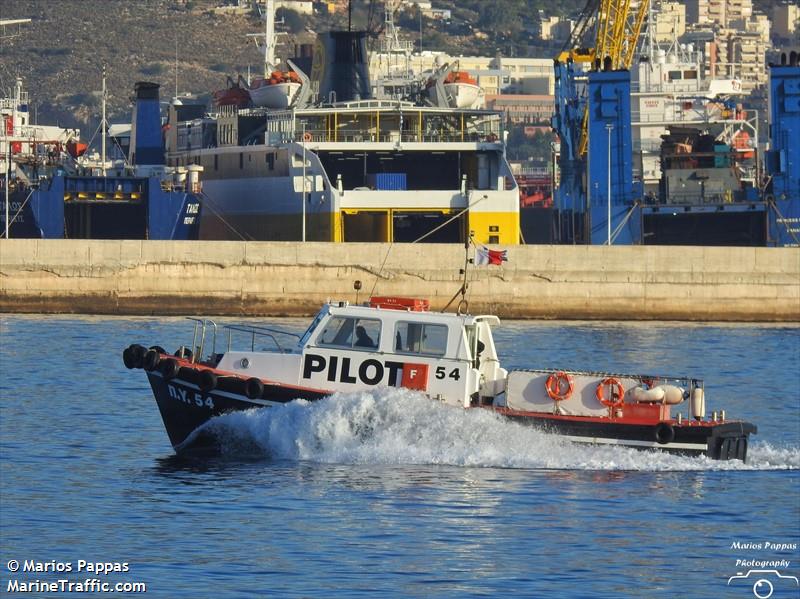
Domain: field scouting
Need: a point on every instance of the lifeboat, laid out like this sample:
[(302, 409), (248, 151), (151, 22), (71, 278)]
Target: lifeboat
[(233, 95), (450, 357), (278, 91), (76, 148), (462, 89)]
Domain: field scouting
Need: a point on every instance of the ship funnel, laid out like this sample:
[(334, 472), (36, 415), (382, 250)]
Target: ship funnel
[(341, 65), (147, 145)]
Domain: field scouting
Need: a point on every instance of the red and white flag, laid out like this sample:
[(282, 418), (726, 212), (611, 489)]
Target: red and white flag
[(486, 256)]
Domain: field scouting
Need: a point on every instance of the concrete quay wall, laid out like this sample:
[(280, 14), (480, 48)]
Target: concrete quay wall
[(286, 278)]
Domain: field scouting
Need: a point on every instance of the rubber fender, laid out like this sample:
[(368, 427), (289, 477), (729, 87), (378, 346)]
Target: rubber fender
[(158, 348), (135, 353), (207, 381), (169, 368), (127, 358), (654, 395), (253, 388), (672, 395), (188, 374), (183, 352), (664, 433), (151, 360)]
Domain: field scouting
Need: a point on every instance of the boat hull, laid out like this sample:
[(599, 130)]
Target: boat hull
[(185, 406), (95, 207), (717, 440)]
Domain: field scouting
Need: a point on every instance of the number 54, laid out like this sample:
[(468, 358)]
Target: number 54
[(455, 374)]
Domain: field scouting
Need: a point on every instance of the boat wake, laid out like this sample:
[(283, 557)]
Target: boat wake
[(397, 426)]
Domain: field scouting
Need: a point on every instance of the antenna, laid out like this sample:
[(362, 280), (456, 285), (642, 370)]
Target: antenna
[(463, 304), (176, 64)]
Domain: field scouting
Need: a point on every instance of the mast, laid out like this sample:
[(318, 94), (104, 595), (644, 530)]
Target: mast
[(176, 65), (269, 38), (103, 124)]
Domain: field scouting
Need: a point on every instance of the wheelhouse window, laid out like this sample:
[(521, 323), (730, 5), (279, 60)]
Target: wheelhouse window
[(356, 333), (419, 338)]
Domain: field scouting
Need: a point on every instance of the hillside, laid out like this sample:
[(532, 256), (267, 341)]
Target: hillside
[(60, 54)]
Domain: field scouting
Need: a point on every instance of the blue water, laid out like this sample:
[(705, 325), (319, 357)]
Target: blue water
[(385, 494)]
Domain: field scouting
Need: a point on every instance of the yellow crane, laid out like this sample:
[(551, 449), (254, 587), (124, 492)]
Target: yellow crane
[(617, 24)]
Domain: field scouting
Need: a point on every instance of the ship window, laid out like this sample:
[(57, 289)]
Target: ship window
[(357, 333), (241, 160), (270, 161), (674, 75), (690, 74), (418, 338)]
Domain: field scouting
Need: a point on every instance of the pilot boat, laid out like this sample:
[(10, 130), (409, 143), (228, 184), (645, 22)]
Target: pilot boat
[(450, 357)]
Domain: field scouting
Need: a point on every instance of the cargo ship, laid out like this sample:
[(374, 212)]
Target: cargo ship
[(53, 190)]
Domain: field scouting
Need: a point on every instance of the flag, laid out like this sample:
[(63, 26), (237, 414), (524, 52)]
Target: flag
[(486, 256)]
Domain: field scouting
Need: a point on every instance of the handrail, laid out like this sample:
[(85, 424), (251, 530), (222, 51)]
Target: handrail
[(198, 350)]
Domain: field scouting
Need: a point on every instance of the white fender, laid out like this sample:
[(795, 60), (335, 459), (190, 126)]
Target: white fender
[(656, 394), (698, 404), (667, 394), (672, 394)]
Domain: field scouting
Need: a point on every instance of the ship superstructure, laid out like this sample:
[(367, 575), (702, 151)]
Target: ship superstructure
[(347, 167)]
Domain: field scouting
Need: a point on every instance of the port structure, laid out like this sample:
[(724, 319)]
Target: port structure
[(599, 200), (592, 119)]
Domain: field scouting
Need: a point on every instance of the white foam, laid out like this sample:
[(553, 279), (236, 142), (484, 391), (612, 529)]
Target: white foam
[(397, 426)]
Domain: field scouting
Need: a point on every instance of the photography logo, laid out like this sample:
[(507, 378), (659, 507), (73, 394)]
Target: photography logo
[(764, 582)]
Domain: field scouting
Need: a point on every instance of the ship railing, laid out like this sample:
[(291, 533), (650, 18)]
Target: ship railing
[(361, 135), (261, 333), (201, 328)]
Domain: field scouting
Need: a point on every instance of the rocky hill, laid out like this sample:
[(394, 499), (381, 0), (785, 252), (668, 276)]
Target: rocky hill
[(61, 53)]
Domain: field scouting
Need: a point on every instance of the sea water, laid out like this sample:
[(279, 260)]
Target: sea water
[(384, 493)]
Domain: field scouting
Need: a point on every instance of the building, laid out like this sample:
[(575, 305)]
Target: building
[(725, 13), (785, 21), (546, 25), (671, 23)]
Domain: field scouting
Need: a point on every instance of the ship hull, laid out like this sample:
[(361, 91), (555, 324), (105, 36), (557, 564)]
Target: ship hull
[(186, 404), (67, 207)]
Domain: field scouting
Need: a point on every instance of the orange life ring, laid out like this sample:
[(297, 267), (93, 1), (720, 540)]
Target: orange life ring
[(554, 385), (306, 136), (616, 399)]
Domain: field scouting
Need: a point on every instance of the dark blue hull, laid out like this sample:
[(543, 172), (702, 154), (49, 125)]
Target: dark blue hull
[(89, 207)]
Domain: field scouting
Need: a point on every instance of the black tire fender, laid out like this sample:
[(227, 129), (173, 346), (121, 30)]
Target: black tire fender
[(151, 360), (169, 368), (207, 381), (664, 433), (253, 388), (127, 358), (183, 352), (136, 354)]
